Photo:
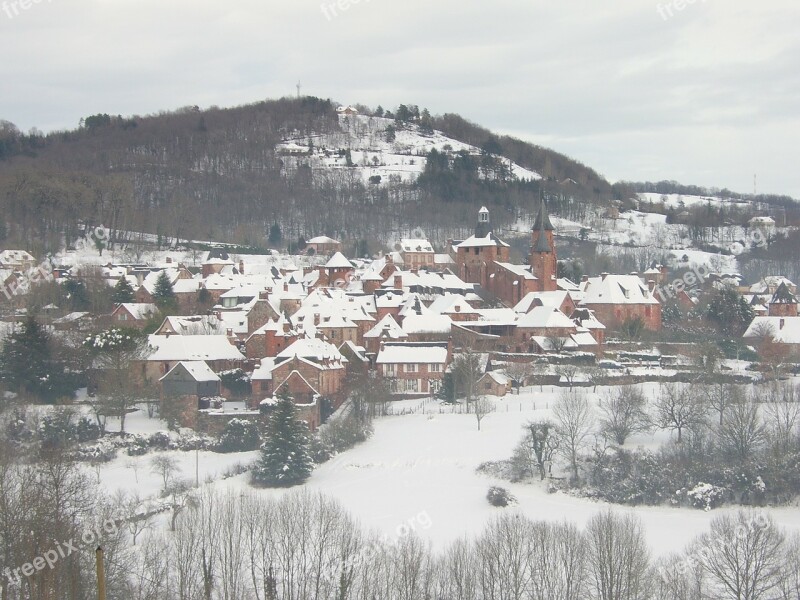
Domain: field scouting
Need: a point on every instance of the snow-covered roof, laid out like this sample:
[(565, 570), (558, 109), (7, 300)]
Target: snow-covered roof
[(194, 325), (427, 324), (784, 330), (338, 261), (322, 239), (198, 370), (201, 347), (70, 318), (430, 353), (482, 242), (542, 317), (387, 327), (498, 378), (415, 245), (141, 311), (311, 348), (617, 289), (553, 299)]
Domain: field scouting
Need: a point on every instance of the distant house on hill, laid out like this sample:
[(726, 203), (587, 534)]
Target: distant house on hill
[(347, 110), (322, 244)]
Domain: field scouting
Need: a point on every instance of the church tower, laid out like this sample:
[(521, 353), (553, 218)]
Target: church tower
[(484, 226), (544, 259)]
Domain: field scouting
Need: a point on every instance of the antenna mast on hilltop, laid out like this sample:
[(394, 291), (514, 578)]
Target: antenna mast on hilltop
[(298, 89), (755, 186)]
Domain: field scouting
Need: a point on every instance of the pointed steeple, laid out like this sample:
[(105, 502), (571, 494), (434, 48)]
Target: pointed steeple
[(542, 243), (543, 218)]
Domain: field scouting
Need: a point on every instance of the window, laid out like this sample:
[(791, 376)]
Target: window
[(410, 367), (389, 370), (435, 368)]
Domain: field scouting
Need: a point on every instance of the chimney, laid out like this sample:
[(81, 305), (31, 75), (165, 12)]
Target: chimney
[(389, 259), (458, 308), (263, 295), (241, 267), (603, 276), (782, 323), (229, 332), (584, 278), (414, 270), (635, 273), (398, 281), (169, 260), (316, 319), (285, 287), (307, 270), (651, 285)]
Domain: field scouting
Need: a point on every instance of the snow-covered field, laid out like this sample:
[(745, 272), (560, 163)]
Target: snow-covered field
[(418, 471)]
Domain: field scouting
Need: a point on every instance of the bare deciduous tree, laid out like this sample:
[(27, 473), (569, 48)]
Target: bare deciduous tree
[(623, 413), (573, 418), (482, 407), (742, 555), (679, 409), (618, 557)]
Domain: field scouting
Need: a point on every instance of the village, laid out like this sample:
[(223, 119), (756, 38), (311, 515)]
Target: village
[(404, 318)]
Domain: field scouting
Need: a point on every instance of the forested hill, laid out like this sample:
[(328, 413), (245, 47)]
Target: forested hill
[(231, 174)]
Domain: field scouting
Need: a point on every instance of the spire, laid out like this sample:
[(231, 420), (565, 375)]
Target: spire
[(783, 295), (542, 218), (542, 243)]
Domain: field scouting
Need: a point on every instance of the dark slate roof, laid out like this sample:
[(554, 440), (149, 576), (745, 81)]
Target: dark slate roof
[(543, 216), (783, 295)]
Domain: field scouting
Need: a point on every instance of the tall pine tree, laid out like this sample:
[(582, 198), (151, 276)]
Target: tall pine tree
[(28, 364), (164, 294), (285, 457), (123, 292)]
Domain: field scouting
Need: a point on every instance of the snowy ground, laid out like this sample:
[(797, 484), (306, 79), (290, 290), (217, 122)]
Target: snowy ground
[(418, 472)]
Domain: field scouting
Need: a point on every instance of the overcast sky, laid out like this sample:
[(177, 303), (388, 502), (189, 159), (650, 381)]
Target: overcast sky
[(704, 92)]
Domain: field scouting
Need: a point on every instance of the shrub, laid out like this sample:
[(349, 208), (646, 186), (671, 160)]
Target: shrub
[(239, 436), (498, 496), (706, 496)]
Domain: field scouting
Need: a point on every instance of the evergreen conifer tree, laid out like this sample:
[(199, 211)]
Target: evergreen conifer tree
[(28, 364), (123, 292), (163, 294), (285, 456)]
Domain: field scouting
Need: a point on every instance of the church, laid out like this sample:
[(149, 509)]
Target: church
[(483, 258)]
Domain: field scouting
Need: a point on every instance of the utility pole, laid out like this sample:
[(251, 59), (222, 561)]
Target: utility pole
[(101, 574), (298, 89)]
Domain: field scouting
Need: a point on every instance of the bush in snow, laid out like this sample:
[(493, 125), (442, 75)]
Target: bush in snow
[(87, 430), (237, 381), (161, 440), (138, 446), (498, 496), (239, 435), (706, 496), (57, 431)]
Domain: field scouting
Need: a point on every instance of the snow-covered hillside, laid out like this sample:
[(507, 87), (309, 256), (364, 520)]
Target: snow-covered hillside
[(372, 155)]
